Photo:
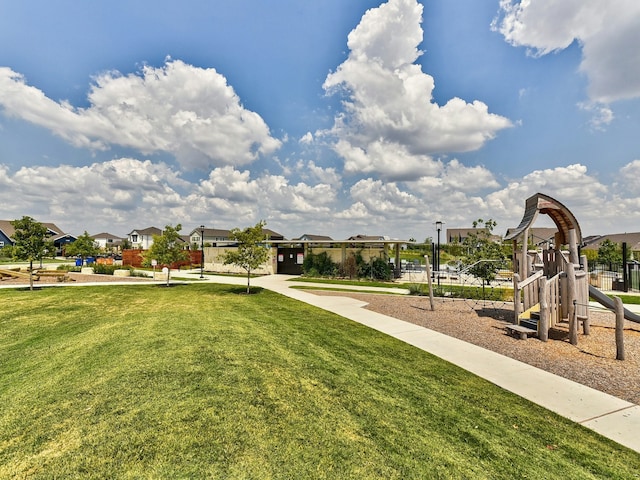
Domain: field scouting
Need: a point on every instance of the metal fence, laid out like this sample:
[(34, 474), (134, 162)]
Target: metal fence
[(612, 276)]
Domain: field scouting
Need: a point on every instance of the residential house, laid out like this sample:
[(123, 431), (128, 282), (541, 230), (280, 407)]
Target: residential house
[(108, 241), (312, 238), (631, 239), (6, 233), (539, 236), (459, 235), (212, 236), (54, 233), (216, 237), (143, 238), (271, 235)]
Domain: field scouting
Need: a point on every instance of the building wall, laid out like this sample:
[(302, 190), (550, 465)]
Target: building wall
[(213, 261), (336, 254)]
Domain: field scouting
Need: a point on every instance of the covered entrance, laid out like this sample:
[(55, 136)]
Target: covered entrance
[(290, 260)]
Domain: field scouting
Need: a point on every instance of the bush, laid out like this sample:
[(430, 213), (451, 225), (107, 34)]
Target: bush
[(319, 265), (69, 268), (103, 269), (376, 269)]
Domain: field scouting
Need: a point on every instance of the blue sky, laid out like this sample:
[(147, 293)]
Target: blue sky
[(330, 117)]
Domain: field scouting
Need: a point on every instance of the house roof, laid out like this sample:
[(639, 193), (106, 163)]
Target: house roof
[(632, 239), (460, 234), (538, 235), (271, 235), (147, 231), (308, 236), (366, 237), (105, 235), (211, 232), (9, 230)]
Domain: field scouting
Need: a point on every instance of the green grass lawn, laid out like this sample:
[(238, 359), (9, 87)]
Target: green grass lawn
[(200, 381)]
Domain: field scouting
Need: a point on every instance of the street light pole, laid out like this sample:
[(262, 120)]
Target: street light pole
[(202, 248), (438, 228)]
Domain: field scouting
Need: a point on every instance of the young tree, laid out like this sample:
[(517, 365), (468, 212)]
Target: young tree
[(251, 252), (484, 257), (84, 246), (30, 242), (167, 249)]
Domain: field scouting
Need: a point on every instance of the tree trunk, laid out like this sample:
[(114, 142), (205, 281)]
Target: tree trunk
[(248, 282), (30, 274), (168, 276)]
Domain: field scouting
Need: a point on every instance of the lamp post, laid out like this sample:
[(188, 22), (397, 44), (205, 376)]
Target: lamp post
[(437, 262), (202, 248)]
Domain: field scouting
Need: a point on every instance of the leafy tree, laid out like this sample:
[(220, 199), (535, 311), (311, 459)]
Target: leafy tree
[(84, 246), (609, 253), (30, 242), (166, 249), (484, 257), (251, 253)]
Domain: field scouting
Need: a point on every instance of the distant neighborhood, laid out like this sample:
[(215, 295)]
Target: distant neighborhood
[(142, 238)]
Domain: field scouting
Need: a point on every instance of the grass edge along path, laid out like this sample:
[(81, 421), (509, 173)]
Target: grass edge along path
[(202, 381)]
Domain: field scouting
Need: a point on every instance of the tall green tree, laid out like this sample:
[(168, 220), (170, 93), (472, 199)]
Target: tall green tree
[(251, 252), (609, 253), (484, 255), (84, 246), (30, 242), (167, 248)]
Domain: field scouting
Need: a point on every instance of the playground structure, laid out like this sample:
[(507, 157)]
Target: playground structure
[(60, 276), (551, 286)]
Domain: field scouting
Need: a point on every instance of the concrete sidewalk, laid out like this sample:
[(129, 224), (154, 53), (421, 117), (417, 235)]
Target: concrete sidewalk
[(611, 417)]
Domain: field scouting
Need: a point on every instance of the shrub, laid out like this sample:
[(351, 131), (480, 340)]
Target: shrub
[(319, 265)]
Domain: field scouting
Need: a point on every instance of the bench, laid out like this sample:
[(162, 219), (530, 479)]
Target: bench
[(61, 276), (523, 332)]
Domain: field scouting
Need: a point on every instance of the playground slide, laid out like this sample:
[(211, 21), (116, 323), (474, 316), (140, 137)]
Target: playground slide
[(607, 302)]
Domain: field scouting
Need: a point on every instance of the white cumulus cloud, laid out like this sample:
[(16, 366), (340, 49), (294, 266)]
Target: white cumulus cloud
[(189, 112), (608, 32), (389, 109)]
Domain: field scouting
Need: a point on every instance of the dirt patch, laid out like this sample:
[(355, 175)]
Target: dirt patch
[(592, 362)]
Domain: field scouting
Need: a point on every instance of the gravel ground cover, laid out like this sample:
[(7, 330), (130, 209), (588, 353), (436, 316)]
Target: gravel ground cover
[(592, 362), (73, 278)]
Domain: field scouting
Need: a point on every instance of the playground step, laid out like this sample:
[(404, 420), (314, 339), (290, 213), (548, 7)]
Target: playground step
[(529, 323), (535, 315)]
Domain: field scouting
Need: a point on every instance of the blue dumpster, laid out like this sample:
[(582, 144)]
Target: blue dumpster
[(78, 262)]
